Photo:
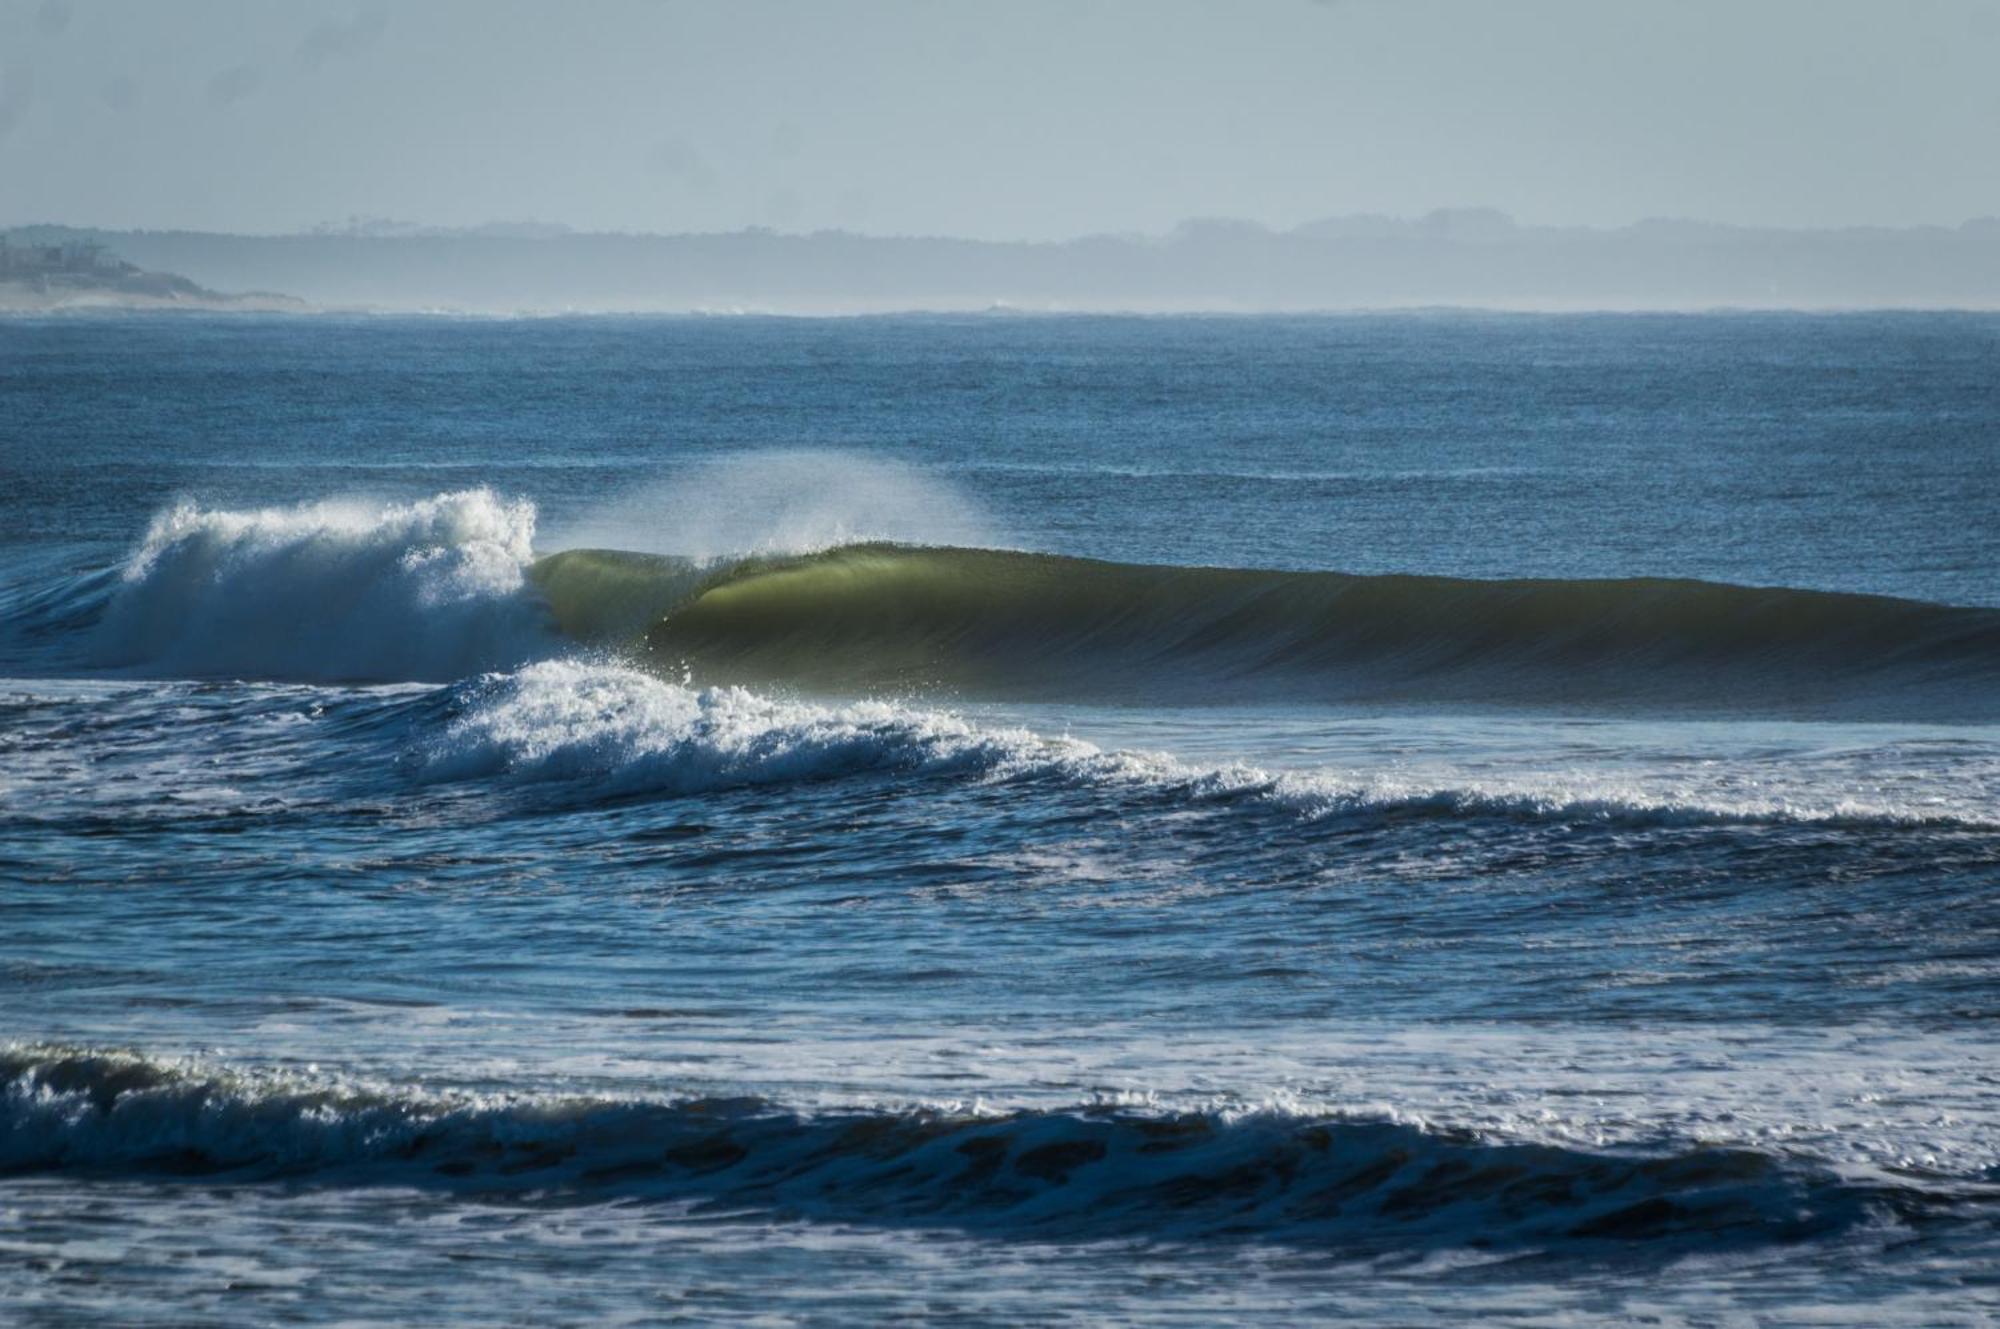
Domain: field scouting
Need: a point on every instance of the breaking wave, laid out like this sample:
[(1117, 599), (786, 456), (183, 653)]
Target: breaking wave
[(445, 588), (617, 730), (1087, 1171), (606, 730), (339, 591)]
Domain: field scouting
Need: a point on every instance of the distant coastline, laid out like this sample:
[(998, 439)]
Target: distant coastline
[(1469, 258), (82, 274)]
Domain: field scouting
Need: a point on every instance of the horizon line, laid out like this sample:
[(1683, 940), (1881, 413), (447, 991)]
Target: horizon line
[(1434, 224)]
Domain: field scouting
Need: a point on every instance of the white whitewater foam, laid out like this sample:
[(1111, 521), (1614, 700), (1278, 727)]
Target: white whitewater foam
[(431, 590), (616, 730), (619, 730)]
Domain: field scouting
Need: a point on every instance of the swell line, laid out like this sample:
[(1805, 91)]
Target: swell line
[(1009, 625), (1086, 1171)]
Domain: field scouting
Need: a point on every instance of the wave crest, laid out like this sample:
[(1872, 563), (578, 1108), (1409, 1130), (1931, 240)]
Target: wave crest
[(608, 730), (619, 730), (332, 591)]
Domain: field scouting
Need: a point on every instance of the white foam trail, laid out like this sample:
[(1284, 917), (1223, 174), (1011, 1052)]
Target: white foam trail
[(341, 590), (614, 730)]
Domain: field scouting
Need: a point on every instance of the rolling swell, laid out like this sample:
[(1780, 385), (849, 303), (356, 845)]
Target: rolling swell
[(1087, 1171), (995, 624), (449, 586)]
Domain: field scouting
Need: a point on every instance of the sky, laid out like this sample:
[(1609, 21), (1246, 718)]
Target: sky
[(1008, 119)]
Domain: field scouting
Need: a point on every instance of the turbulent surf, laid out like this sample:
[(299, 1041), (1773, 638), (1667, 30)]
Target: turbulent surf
[(1156, 821)]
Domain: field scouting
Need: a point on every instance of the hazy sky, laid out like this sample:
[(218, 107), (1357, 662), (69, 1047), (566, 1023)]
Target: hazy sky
[(1003, 119)]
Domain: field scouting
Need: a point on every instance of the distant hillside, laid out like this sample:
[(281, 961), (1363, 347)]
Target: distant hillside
[(73, 271), (1470, 258)]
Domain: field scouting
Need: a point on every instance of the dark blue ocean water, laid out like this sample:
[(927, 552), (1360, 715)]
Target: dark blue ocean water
[(787, 912)]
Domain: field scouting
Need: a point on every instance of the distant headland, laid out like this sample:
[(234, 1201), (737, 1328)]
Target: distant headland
[(73, 274)]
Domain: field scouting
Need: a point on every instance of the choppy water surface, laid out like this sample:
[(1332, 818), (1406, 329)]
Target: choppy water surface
[(1000, 820)]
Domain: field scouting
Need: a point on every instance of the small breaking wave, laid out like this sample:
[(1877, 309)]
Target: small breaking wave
[(609, 730), (618, 730), (1088, 1171)]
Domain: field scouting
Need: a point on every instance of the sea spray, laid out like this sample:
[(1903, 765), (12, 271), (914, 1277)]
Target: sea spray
[(780, 501), (333, 590)]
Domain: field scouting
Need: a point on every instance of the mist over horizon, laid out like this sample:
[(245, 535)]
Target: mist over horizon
[(1034, 122), (1468, 258), (1461, 224), (1291, 155)]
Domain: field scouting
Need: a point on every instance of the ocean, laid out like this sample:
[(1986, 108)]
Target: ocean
[(1000, 819)]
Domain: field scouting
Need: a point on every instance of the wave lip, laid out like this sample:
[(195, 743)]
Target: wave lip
[(336, 591), (1085, 1172), (999, 624)]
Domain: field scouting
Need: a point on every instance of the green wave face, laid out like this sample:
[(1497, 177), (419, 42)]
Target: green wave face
[(992, 624), (608, 596)]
